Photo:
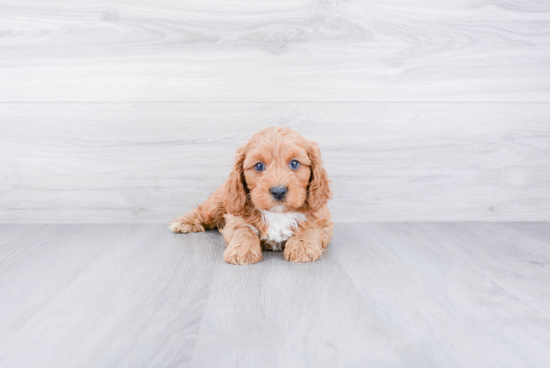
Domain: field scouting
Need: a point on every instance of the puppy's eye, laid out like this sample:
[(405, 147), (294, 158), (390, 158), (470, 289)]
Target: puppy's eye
[(259, 167), (294, 164)]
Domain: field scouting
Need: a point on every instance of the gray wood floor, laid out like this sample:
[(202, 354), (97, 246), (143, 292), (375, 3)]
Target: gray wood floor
[(400, 294)]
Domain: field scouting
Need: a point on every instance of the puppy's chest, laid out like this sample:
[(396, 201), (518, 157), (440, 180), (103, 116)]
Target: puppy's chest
[(278, 227)]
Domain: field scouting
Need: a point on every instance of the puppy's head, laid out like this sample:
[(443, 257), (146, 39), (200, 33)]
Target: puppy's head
[(278, 170)]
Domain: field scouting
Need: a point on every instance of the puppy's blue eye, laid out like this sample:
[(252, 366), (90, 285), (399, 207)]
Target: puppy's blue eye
[(259, 167), (294, 164)]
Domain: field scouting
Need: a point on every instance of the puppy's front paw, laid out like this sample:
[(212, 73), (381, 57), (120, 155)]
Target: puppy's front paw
[(298, 250), (187, 223), (243, 254)]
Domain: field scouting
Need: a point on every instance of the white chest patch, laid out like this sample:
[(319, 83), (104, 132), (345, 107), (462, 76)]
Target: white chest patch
[(280, 227)]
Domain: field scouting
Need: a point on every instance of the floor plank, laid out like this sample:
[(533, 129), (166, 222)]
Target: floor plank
[(11, 232), (537, 230), (451, 310), (278, 314), (385, 294), (516, 262), (122, 296), (262, 51)]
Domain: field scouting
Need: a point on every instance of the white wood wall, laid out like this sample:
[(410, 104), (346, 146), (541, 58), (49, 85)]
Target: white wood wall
[(130, 111)]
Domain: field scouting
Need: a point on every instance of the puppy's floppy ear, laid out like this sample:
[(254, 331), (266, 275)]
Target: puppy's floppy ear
[(235, 186), (318, 190)]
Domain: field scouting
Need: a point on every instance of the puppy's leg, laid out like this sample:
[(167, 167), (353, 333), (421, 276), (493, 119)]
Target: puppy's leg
[(243, 244), (208, 215), (307, 244)]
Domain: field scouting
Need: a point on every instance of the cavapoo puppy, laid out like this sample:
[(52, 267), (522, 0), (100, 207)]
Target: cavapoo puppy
[(275, 198)]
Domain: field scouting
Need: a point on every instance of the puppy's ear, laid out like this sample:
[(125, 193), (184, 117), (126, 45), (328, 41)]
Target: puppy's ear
[(235, 186), (318, 190)]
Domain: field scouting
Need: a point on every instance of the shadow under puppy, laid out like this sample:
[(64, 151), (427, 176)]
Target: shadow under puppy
[(275, 198)]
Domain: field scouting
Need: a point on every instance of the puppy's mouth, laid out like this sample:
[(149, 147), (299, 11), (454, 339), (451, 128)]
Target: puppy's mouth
[(279, 209)]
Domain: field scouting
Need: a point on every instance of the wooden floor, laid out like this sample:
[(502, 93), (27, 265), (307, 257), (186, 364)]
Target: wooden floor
[(385, 294)]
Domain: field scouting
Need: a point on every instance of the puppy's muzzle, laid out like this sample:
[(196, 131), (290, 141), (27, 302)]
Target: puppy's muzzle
[(279, 192)]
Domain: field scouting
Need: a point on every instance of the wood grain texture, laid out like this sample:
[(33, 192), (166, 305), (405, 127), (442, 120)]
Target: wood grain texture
[(450, 289), (495, 249), (124, 296), (537, 230), (384, 294), (265, 51), (394, 162), (279, 314)]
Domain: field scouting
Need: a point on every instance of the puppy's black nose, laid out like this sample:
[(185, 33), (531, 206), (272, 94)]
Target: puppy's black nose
[(278, 192)]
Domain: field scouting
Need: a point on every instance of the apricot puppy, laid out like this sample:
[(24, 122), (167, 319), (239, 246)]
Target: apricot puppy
[(275, 198)]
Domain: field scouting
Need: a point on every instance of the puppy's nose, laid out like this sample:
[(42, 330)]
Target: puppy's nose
[(278, 192)]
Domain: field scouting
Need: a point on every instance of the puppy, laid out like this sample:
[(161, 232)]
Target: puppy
[(275, 198)]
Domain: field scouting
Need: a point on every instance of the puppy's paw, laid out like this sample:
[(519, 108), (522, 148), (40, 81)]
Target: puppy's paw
[(186, 224), (298, 250), (243, 254)]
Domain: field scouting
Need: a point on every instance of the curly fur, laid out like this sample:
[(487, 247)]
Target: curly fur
[(248, 216)]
